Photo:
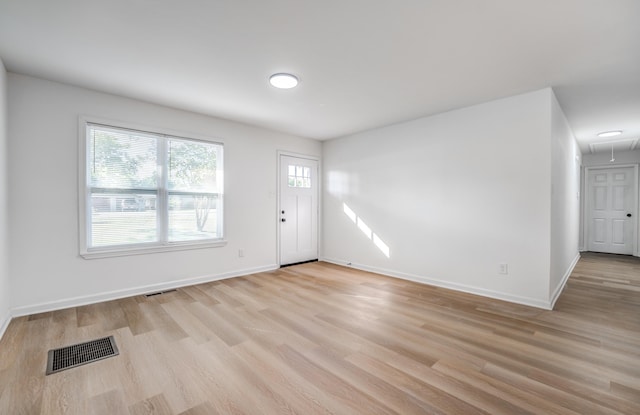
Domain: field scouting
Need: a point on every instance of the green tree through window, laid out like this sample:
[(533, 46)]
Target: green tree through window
[(192, 167)]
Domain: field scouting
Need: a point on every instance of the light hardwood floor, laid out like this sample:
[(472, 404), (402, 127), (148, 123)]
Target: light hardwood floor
[(322, 339)]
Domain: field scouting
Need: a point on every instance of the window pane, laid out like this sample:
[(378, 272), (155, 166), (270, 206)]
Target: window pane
[(122, 219), (307, 172), (119, 159), (192, 166), (292, 170), (193, 217), (150, 189)]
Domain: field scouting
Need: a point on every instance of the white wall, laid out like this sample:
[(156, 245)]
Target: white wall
[(46, 269), (565, 200), (452, 195), (5, 296)]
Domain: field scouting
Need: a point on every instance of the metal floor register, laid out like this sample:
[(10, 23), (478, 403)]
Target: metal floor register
[(81, 354)]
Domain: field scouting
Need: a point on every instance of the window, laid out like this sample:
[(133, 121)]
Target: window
[(145, 191), (299, 176)]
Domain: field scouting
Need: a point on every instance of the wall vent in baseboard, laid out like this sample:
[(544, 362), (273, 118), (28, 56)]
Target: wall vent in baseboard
[(158, 293)]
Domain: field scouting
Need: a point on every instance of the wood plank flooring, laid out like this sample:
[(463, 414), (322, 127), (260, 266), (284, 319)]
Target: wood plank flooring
[(322, 339)]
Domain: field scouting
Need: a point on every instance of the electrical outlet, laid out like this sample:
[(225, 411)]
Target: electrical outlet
[(503, 269), (241, 253)]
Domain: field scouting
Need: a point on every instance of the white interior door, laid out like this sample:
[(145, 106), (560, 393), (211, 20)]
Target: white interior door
[(298, 213), (611, 209)]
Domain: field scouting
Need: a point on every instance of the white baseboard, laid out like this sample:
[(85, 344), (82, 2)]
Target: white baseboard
[(4, 323), (114, 295), (563, 282), (533, 302)]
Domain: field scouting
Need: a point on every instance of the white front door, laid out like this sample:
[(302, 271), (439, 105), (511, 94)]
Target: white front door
[(611, 210), (298, 213)]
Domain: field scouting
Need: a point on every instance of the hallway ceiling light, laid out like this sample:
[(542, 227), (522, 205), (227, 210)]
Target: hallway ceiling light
[(610, 133), (283, 80)]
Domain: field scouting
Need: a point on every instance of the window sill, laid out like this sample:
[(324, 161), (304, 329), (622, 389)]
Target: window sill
[(118, 252)]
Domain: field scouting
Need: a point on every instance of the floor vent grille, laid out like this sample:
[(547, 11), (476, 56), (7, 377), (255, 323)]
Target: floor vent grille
[(80, 354), (159, 293)]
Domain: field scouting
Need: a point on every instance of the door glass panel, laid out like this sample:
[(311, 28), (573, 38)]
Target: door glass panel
[(299, 176)]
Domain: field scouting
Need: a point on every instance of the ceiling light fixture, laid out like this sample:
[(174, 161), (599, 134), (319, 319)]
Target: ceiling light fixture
[(283, 80), (610, 133)]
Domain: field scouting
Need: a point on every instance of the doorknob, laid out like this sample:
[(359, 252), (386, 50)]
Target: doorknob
[(283, 220), (628, 215)]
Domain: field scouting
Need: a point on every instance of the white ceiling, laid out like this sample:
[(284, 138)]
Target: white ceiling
[(362, 63)]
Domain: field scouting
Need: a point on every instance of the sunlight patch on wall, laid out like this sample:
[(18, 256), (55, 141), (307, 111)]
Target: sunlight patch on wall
[(337, 183), (379, 243), (350, 213), (364, 228)]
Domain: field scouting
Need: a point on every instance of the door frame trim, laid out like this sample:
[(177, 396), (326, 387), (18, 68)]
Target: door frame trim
[(279, 154), (636, 202)]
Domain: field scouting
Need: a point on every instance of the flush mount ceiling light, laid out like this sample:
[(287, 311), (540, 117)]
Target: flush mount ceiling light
[(610, 133), (283, 80)]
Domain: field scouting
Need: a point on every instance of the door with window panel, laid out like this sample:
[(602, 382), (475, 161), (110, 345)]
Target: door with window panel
[(298, 209)]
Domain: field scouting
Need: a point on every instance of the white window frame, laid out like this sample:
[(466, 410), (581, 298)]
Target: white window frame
[(84, 194)]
